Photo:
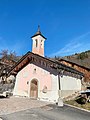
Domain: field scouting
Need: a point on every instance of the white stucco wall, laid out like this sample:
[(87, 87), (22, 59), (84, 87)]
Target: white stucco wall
[(69, 85)]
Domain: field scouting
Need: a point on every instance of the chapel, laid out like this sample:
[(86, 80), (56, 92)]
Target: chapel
[(41, 78)]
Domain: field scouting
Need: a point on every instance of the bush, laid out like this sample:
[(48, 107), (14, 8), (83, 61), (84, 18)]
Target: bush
[(81, 100)]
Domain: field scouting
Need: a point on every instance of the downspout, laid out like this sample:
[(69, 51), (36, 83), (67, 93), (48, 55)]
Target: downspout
[(60, 101), (59, 85)]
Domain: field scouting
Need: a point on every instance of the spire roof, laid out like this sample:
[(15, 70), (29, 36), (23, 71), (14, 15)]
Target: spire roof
[(38, 33)]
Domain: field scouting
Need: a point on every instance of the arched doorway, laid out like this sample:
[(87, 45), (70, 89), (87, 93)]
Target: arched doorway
[(34, 88)]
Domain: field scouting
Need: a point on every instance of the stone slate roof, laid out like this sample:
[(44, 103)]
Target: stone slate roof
[(29, 57)]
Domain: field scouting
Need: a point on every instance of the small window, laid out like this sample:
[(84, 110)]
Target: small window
[(36, 42), (41, 43), (34, 71), (27, 82)]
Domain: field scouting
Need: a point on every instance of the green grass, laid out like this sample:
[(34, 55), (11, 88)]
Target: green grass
[(74, 103)]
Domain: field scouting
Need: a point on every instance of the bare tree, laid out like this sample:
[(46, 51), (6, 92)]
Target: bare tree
[(4, 53), (12, 55)]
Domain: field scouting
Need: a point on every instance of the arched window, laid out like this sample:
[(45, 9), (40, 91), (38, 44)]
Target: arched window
[(41, 43), (36, 42)]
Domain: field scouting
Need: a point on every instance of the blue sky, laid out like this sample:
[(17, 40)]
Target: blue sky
[(65, 24)]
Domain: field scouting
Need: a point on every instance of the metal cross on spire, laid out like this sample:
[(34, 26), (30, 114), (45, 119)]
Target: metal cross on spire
[(38, 33), (38, 28)]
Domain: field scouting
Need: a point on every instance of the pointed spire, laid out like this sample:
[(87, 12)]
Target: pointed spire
[(38, 28), (38, 32)]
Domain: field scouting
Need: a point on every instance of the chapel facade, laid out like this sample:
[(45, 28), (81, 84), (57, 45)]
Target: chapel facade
[(41, 78)]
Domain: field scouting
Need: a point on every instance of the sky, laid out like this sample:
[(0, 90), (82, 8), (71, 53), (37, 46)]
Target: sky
[(65, 24)]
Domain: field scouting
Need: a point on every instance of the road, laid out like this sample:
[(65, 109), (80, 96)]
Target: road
[(49, 112)]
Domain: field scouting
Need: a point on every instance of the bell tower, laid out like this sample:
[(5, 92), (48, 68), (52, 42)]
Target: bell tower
[(38, 43)]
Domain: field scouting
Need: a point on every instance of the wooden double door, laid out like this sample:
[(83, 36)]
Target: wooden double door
[(34, 89)]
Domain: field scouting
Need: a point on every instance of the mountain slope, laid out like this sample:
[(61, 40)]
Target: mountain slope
[(81, 58)]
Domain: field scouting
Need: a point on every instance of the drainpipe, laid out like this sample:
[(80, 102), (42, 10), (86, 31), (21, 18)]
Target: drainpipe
[(59, 81), (60, 101), (82, 82)]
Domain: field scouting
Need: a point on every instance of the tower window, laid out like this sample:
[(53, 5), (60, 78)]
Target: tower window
[(36, 42), (41, 43)]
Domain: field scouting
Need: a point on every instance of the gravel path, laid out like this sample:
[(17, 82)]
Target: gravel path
[(14, 104)]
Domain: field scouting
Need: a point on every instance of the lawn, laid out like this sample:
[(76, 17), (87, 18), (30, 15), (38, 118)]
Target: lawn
[(74, 103)]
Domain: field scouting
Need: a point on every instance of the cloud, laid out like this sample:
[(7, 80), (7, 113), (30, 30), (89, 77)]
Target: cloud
[(78, 44)]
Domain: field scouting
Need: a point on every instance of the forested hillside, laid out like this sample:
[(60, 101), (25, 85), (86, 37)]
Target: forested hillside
[(79, 58)]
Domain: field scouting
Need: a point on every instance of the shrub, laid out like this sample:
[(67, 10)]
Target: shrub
[(81, 100)]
